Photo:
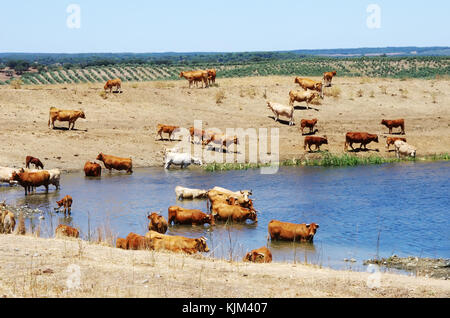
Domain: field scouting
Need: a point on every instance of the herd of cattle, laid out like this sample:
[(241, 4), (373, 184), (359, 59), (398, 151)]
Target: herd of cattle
[(223, 205)]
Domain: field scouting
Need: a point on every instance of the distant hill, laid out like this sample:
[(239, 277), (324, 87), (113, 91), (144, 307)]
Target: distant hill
[(87, 59)]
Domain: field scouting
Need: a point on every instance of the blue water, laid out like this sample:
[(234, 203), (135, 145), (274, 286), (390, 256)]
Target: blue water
[(405, 205)]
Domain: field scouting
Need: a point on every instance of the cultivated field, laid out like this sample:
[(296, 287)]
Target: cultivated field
[(36, 267), (400, 67), (124, 124)]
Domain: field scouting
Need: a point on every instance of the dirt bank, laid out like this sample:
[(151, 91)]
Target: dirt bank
[(124, 124), (36, 267)]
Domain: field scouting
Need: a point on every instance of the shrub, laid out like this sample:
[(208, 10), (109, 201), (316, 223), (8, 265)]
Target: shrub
[(383, 89), (360, 93), (16, 83), (103, 95), (220, 96), (334, 91)]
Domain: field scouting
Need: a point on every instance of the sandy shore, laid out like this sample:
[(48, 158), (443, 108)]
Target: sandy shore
[(125, 124), (36, 267)]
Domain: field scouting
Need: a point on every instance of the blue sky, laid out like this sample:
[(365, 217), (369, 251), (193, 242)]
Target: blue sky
[(217, 25)]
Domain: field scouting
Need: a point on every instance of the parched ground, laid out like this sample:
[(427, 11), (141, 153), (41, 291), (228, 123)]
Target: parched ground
[(125, 124), (36, 267)]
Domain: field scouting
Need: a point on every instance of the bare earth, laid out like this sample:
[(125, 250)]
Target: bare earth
[(36, 267), (125, 124)]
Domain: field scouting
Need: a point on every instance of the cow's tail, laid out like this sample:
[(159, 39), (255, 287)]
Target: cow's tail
[(304, 145)]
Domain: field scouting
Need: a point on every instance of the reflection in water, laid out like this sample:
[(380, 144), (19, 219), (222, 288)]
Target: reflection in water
[(352, 206)]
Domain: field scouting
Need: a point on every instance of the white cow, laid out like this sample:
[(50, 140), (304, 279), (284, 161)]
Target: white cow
[(243, 194), (404, 149), (6, 174), (186, 193), (181, 159), (283, 110), (302, 96)]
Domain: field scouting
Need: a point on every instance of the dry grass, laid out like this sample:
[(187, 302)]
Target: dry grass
[(103, 94), (383, 89), (36, 267), (334, 91), (404, 92), (16, 83), (220, 96), (163, 85), (250, 92), (360, 93)]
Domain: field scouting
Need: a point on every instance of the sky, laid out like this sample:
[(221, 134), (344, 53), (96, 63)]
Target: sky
[(219, 25)]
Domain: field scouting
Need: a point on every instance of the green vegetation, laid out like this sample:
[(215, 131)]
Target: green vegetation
[(327, 160)]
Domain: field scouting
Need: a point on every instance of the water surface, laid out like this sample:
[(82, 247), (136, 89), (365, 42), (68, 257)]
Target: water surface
[(362, 211)]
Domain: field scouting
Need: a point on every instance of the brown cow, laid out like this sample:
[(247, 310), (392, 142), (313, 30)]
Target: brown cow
[(292, 232), (211, 76), (178, 215), (241, 198), (113, 83), (317, 141), (260, 255), (177, 243), (37, 163), (199, 133), (222, 140), (394, 124), (30, 180), (391, 140), (310, 123), (307, 83), (137, 242), (362, 138), (92, 169), (66, 231), (301, 96), (328, 77), (65, 202), (193, 76), (226, 212), (166, 129), (64, 115), (121, 243), (112, 162), (157, 223), (7, 220)]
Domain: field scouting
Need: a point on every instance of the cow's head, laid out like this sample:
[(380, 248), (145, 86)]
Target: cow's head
[(196, 161), (100, 156), (209, 218), (312, 228), (201, 244), (413, 153), (384, 122), (252, 216), (246, 194), (181, 74), (82, 115), (334, 73), (269, 105), (296, 81), (60, 203), (15, 176)]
